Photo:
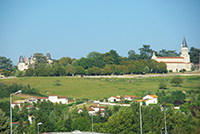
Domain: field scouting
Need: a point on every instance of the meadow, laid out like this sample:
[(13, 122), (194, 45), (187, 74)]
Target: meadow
[(100, 88)]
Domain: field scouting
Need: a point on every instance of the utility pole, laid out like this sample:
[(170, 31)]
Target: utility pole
[(140, 119), (165, 121)]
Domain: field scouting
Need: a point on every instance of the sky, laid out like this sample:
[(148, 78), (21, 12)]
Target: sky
[(74, 28)]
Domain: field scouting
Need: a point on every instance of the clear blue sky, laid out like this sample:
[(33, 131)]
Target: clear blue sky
[(73, 28)]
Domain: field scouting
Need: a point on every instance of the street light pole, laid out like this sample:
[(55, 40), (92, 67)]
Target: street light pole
[(38, 126), (18, 92), (92, 122), (140, 120), (165, 121)]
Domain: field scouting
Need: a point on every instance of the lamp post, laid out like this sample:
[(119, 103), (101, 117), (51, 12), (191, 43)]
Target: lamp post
[(92, 122), (40, 123), (140, 119), (18, 92), (165, 121)]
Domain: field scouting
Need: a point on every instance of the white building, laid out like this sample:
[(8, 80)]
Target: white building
[(177, 63), (93, 109), (117, 98), (149, 99), (53, 98), (23, 63)]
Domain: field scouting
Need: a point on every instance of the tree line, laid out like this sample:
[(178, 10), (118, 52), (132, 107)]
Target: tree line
[(96, 63), (116, 119)]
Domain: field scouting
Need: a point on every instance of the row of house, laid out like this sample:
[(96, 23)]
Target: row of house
[(126, 97), (148, 99), (53, 98), (93, 109)]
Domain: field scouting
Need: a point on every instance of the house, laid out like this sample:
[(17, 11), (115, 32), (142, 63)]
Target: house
[(117, 98), (130, 97), (53, 98), (176, 63), (30, 118), (13, 104), (114, 99), (90, 111), (93, 109), (97, 107), (149, 99)]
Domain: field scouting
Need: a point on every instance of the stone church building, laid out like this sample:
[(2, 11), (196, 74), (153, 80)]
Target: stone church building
[(177, 63), (23, 63)]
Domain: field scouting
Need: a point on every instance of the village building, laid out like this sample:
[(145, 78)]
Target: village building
[(177, 63), (24, 64), (53, 98), (117, 98), (149, 99), (93, 109)]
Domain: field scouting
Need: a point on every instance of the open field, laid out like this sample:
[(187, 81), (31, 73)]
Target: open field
[(100, 88)]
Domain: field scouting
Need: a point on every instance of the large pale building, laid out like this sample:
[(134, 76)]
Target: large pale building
[(177, 63), (23, 63)]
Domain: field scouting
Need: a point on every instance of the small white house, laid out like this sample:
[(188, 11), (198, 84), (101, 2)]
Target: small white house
[(149, 99), (117, 98), (114, 99), (90, 111), (53, 98), (130, 97), (97, 107), (13, 104)]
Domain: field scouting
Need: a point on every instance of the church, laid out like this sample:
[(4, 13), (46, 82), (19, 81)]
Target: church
[(177, 63), (23, 63)]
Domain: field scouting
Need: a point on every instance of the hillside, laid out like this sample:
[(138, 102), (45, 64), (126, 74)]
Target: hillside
[(99, 88)]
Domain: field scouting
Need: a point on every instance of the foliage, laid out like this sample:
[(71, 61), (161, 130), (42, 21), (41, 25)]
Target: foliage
[(6, 90), (4, 123), (194, 55), (162, 85), (177, 81)]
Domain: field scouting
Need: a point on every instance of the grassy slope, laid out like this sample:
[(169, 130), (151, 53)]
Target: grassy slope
[(98, 88)]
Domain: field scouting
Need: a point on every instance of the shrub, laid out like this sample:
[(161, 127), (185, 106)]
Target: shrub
[(177, 81), (162, 85)]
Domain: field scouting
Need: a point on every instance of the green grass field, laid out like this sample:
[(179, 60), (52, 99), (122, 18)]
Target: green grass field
[(99, 88)]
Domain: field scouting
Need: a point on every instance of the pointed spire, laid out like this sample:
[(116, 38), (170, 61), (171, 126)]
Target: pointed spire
[(184, 44), (21, 59)]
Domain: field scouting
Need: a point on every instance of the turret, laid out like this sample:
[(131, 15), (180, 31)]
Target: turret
[(184, 51)]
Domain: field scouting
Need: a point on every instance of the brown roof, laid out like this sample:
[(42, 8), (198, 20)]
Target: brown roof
[(18, 122), (132, 96), (15, 103), (41, 97), (170, 58), (63, 97), (95, 106)]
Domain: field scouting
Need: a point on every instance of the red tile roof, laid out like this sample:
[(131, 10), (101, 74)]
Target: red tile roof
[(170, 57), (132, 96), (95, 106), (63, 97)]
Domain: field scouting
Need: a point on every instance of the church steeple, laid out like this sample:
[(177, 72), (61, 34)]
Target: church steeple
[(21, 59), (184, 44)]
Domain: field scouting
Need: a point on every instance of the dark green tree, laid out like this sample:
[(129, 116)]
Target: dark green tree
[(177, 81), (4, 123), (194, 55)]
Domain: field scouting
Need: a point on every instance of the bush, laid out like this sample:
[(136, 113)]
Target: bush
[(177, 81), (162, 85), (170, 71)]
